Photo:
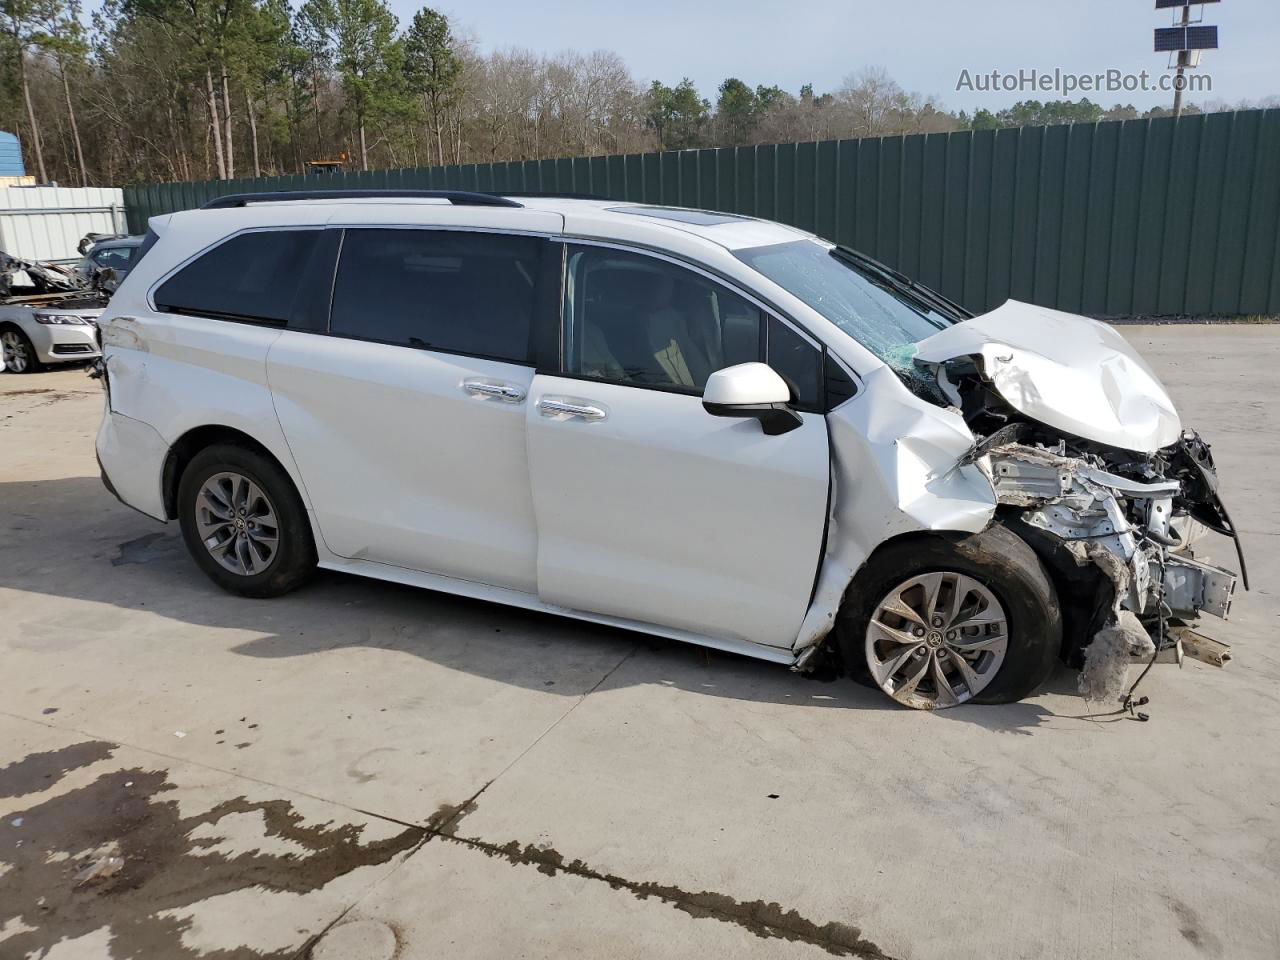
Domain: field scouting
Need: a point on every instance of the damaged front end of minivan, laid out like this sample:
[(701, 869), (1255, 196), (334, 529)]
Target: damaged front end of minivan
[(1051, 426), (1091, 466)]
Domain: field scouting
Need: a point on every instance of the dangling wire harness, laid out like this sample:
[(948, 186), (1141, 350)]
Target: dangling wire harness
[(1163, 612)]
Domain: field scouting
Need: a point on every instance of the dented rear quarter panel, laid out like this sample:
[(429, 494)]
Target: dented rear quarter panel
[(177, 373)]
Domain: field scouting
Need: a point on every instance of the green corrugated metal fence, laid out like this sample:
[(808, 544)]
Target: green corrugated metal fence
[(1152, 217)]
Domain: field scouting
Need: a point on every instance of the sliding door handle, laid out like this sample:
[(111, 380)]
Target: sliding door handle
[(554, 406), (493, 388)]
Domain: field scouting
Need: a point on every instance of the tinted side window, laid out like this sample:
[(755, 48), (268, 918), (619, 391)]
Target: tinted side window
[(253, 276), (640, 320), (798, 362), (455, 291)]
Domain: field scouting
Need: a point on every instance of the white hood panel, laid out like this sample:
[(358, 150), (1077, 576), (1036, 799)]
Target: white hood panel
[(1068, 372)]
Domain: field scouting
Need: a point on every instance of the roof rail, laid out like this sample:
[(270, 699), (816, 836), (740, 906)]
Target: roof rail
[(459, 197)]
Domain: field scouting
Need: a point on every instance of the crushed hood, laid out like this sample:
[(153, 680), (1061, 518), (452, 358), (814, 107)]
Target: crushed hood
[(1068, 372)]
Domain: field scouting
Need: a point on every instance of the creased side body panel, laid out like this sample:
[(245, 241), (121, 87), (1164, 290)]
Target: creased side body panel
[(175, 373), (132, 457), (894, 465)]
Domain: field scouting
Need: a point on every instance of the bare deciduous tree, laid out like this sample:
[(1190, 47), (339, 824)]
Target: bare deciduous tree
[(197, 89)]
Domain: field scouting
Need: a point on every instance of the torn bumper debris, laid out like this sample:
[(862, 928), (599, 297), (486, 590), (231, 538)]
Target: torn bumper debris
[(1199, 647), (1138, 532)]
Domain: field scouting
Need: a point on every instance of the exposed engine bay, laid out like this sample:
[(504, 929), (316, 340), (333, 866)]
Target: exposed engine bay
[(1135, 522), (1118, 521), (20, 277)]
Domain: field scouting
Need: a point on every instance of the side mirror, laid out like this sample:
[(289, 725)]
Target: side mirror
[(751, 390)]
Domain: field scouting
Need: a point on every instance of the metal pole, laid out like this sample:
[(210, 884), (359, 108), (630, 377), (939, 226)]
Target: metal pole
[(1182, 65)]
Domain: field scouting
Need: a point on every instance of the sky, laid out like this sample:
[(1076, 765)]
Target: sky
[(924, 44)]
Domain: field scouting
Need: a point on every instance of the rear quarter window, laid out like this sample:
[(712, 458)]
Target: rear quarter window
[(252, 277)]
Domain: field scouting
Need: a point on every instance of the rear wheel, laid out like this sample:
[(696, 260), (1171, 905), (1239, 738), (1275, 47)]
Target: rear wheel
[(244, 523), (19, 354), (938, 621)]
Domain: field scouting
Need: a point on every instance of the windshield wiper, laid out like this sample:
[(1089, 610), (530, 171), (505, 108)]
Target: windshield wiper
[(900, 283)]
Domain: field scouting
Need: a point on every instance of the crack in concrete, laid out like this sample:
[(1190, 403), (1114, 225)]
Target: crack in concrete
[(443, 822), (439, 824), (764, 919), (767, 920), (145, 825)]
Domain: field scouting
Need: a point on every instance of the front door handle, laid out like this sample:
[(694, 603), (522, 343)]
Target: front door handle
[(508, 392), (551, 406)]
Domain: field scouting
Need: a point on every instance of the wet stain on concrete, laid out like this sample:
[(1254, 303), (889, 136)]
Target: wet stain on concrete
[(767, 920), (40, 771), (1191, 929), (445, 820), (144, 549), (164, 868)]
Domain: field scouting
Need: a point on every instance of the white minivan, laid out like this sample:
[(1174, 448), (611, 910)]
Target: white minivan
[(701, 425)]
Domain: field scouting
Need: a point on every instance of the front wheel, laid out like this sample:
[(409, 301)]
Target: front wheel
[(19, 354), (244, 523), (938, 621)]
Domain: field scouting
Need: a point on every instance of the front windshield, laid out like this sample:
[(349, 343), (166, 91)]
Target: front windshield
[(888, 323)]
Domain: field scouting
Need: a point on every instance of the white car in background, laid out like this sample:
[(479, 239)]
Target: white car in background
[(701, 425), (47, 316)]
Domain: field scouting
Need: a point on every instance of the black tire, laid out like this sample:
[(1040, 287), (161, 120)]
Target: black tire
[(294, 559), (998, 559), (33, 364)]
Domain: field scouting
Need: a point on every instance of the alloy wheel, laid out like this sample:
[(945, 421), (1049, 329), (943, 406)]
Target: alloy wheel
[(237, 523), (936, 640), (15, 351)]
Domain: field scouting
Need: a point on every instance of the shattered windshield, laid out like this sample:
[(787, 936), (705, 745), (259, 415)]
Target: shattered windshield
[(887, 322)]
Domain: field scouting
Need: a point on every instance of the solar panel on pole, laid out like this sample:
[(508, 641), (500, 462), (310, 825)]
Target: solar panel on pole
[(1202, 38)]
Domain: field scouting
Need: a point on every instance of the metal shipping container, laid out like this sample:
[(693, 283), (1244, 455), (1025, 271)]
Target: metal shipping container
[(10, 156)]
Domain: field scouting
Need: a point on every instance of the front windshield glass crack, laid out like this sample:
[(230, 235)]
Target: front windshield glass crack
[(888, 322)]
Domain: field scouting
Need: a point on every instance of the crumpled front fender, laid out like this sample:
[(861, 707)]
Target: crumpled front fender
[(895, 470)]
